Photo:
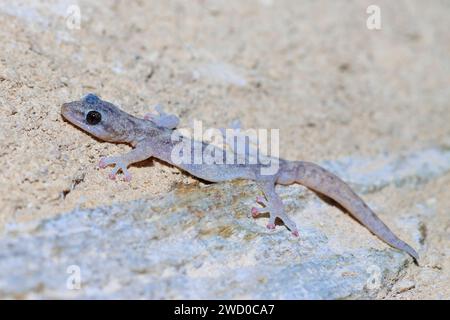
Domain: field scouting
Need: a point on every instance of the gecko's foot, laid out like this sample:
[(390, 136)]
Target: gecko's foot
[(274, 212), (118, 165)]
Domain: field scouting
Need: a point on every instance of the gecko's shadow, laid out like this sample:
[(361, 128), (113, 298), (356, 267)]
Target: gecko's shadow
[(331, 202), (321, 196), (144, 163)]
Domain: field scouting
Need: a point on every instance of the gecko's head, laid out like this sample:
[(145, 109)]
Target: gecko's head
[(100, 118)]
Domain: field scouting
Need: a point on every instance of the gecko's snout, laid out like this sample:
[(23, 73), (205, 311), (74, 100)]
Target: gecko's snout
[(68, 108), (65, 111), (64, 108), (71, 112)]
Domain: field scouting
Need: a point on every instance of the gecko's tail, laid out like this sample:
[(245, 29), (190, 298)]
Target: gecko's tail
[(318, 179)]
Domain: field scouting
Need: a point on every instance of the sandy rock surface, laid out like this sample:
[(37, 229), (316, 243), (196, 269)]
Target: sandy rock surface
[(373, 106)]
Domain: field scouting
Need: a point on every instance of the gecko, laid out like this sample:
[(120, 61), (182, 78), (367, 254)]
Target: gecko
[(152, 136)]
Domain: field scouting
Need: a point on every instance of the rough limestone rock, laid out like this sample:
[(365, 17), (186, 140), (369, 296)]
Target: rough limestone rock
[(193, 243), (200, 241)]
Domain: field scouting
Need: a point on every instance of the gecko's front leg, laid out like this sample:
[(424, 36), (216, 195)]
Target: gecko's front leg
[(274, 206), (141, 152)]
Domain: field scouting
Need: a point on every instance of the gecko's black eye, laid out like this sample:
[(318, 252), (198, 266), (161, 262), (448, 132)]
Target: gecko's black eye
[(93, 117), (91, 98)]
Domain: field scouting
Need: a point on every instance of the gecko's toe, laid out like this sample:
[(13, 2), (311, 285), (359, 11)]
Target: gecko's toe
[(127, 177), (148, 116), (295, 233), (271, 226), (261, 200), (255, 212), (119, 166), (102, 163)]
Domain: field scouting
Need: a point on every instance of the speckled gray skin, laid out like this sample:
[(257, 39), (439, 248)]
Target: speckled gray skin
[(152, 137)]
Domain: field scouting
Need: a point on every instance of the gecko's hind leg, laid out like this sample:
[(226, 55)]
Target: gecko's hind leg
[(274, 206)]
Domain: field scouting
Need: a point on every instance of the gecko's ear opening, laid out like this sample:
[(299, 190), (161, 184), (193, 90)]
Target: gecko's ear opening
[(91, 98)]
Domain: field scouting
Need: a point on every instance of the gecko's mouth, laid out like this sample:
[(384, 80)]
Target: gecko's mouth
[(71, 113), (65, 109)]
